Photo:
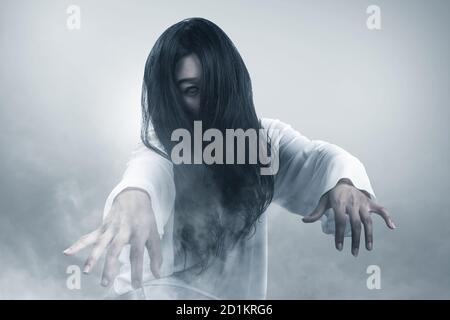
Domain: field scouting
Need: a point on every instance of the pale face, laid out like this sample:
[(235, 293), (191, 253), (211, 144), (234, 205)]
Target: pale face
[(188, 74)]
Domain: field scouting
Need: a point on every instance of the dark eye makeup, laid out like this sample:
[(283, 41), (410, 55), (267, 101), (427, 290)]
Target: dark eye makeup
[(191, 91)]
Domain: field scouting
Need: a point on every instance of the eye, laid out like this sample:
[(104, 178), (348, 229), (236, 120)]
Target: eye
[(191, 91)]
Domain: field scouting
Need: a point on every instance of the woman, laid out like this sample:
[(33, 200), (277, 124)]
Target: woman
[(203, 226)]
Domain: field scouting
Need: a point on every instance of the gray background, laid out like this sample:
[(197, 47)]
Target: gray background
[(70, 117)]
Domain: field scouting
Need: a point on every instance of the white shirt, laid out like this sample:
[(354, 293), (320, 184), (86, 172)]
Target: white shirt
[(307, 170)]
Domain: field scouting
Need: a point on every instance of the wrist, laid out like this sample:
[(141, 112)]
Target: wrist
[(345, 181), (350, 183)]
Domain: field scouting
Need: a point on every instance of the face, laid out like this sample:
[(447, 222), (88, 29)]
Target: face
[(188, 74)]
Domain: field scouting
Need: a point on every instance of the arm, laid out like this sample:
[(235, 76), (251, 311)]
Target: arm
[(135, 213), (320, 180), (148, 172)]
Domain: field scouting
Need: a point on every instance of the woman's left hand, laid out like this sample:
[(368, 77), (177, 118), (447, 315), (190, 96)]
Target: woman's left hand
[(345, 199)]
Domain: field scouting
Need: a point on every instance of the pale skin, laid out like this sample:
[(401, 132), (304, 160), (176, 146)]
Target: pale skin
[(132, 220)]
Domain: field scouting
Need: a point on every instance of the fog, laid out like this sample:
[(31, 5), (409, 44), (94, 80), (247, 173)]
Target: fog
[(70, 116)]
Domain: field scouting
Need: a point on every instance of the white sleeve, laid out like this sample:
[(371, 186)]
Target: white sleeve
[(310, 168), (152, 173)]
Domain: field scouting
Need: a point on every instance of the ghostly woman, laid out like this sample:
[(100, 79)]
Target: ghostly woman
[(200, 230)]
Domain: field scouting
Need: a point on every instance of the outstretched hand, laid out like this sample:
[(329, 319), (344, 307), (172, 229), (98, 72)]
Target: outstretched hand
[(345, 199), (130, 221)]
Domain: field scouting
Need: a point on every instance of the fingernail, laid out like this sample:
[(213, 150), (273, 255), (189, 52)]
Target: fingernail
[(369, 246), (392, 224), (339, 246), (105, 282), (66, 251), (355, 251), (86, 269)]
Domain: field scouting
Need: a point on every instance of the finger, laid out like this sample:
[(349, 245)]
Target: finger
[(318, 211), (355, 223), (112, 265), (137, 262), (340, 222), (155, 253), (368, 227), (381, 211), (98, 249), (83, 242)]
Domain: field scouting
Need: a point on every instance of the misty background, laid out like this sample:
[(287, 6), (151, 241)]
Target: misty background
[(70, 117)]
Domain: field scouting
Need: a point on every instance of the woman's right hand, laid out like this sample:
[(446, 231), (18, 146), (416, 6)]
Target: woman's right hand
[(130, 221)]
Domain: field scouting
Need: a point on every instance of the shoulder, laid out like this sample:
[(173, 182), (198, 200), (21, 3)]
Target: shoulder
[(276, 128)]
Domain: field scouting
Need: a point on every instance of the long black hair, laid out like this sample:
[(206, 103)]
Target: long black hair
[(216, 205)]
